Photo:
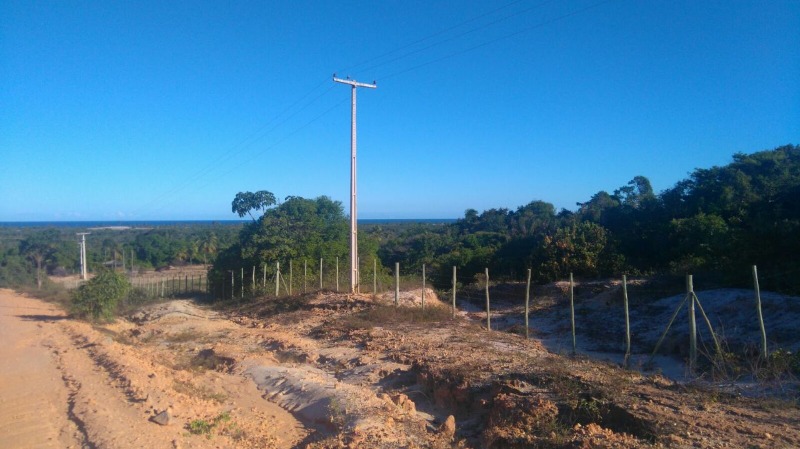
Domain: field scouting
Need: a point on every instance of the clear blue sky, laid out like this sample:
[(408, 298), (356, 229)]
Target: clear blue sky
[(165, 110)]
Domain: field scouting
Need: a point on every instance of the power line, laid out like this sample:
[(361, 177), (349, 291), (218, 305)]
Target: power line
[(430, 36), (238, 148), (492, 41), (265, 149), (462, 34)]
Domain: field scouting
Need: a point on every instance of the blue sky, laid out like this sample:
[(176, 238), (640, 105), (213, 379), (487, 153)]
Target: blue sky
[(165, 110)]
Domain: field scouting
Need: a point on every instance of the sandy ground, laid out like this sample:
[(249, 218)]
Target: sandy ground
[(332, 371)]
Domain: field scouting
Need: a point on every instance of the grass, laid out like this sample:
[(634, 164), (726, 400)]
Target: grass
[(200, 392), (220, 424)]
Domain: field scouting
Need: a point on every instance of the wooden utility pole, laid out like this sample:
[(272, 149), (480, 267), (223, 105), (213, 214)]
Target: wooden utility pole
[(353, 190)]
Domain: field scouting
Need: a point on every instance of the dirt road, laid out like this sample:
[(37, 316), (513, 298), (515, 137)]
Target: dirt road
[(66, 384), (34, 397)]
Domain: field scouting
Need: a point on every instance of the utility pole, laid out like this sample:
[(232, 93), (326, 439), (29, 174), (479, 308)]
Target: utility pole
[(83, 253), (353, 191)]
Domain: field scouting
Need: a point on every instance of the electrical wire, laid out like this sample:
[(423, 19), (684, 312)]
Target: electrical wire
[(269, 147), (439, 33), (504, 37), (238, 148), (260, 133)]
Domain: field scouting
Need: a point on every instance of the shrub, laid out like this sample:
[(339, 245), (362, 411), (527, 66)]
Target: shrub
[(97, 299)]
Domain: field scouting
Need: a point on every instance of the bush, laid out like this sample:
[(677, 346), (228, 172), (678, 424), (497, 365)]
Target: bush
[(97, 299)]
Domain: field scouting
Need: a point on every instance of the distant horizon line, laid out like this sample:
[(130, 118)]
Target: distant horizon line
[(199, 220)]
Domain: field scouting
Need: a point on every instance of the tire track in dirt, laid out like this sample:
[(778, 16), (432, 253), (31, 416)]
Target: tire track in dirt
[(33, 397)]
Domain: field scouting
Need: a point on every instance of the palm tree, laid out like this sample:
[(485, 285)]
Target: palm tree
[(193, 250), (209, 247)]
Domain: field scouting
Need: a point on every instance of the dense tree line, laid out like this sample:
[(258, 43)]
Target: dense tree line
[(718, 221), (29, 254)]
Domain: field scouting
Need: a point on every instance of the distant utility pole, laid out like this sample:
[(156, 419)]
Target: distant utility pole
[(353, 201), (83, 253)]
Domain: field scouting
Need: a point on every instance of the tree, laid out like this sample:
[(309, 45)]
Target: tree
[(299, 227), (246, 202), (39, 248), (98, 298), (209, 247)]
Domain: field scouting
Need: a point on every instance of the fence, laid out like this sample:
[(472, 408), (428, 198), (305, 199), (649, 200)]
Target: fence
[(171, 286), (473, 294)]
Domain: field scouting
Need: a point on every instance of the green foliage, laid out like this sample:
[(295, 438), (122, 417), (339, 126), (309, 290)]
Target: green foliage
[(246, 202), (220, 424), (299, 228), (98, 298), (719, 221)]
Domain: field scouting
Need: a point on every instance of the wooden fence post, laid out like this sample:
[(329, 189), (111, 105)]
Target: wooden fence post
[(277, 278), (760, 316), (423, 287), (396, 283), (527, 304), (692, 324), (627, 320), (572, 313), (488, 310), (454, 291)]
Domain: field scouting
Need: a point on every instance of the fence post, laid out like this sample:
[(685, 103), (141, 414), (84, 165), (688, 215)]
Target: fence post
[(241, 287), (760, 316), (423, 287), (692, 324), (627, 320), (488, 311), (264, 274), (253, 284), (454, 291), (277, 278), (233, 286), (572, 313), (527, 304), (396, 283)]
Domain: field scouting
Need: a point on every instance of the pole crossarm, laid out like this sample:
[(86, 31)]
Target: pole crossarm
[(354, 83)]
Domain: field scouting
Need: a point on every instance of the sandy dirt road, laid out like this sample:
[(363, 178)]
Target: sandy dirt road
[(67, 384), (34, 397)]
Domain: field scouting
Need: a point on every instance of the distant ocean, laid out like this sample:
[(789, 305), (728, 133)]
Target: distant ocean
[(156, 223)]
